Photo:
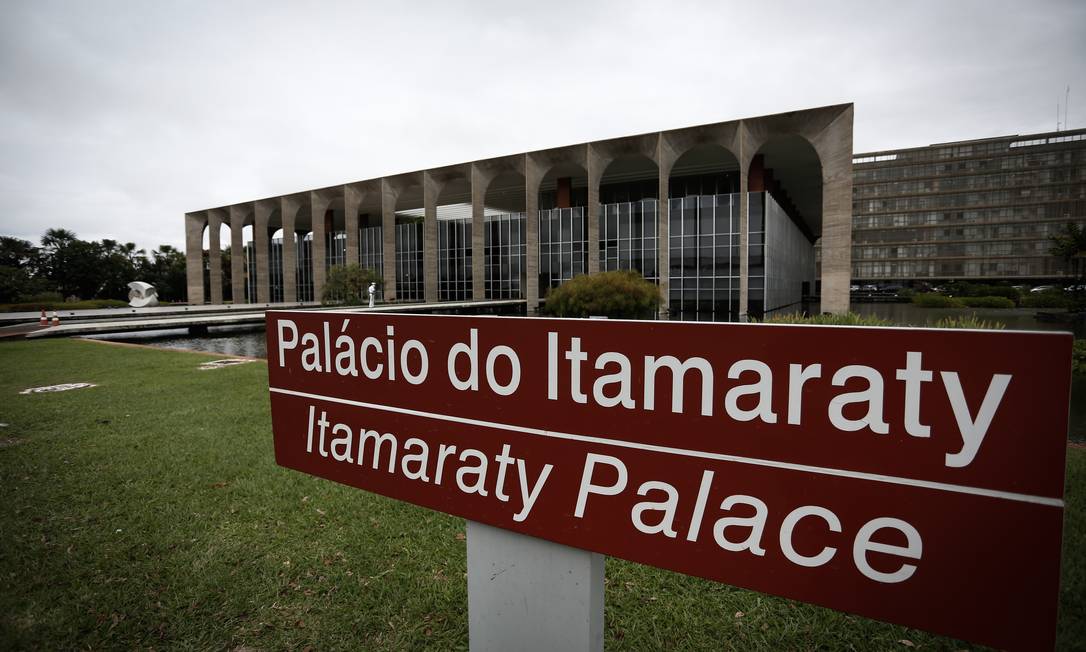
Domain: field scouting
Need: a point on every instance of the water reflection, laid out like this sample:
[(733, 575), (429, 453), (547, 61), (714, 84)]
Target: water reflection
[(1023, 319), (229, 340), (249, 340)]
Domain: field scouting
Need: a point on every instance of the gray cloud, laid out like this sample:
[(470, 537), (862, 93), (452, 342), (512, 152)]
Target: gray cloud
[(117, 117)]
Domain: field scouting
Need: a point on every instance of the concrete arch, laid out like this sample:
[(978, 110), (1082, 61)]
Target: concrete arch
[(623, 236), (267, 216), (361, 209), (403, 202), (828, 131), (677, 143), (553, 191), (497, 190), (788, 166), (545, 166), (448, 202), (295, 219), (629, 169), (704, 161), (195, 224), (504, 193), (240, 216), (217, 218)]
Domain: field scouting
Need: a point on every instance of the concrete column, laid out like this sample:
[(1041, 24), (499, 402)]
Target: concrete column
[(592, 215), (388, 237), (261, 212), (351, 200), (289, 209), (834, 147), (663, 238), (430, 191), (194, 256), (532, 179), (478, 234), (744, 226), (214, 254), (237, 254), (318, 205)]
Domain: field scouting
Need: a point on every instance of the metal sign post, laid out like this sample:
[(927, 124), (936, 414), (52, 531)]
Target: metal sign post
[(529, 594)]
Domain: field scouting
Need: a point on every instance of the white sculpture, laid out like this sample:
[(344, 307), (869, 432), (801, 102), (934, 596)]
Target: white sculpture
[(373, 291), (142, 295)]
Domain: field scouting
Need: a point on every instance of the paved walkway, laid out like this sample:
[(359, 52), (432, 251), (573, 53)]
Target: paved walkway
[(19, 330), (254, 315), (180, 309)]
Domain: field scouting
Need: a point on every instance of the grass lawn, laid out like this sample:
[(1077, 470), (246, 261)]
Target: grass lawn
[(148, 512)]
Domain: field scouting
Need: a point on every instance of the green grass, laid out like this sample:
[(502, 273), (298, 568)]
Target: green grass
[(148, 512)]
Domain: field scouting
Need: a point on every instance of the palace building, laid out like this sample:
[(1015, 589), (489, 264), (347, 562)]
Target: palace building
[(723, 217)]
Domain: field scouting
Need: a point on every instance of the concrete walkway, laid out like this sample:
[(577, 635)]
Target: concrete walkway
[(157, 311), (238, 317)]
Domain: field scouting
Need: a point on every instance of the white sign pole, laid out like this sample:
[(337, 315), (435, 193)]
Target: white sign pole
[(529, 594)]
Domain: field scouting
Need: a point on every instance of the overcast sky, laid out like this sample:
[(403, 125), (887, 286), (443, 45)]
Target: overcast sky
[(118, 117)]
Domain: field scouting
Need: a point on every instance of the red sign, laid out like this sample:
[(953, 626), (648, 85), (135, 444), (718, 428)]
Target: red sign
[(909, 475)]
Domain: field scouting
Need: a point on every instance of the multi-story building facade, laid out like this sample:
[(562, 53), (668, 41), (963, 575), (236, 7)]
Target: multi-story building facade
[(971, 210), (722, 217)]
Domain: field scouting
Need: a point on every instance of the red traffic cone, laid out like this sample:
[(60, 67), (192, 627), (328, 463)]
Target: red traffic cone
[(44, 321), (56, 319)]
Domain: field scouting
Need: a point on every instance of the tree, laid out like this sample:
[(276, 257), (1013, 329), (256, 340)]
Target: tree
[(346, 284), (117, 268), (1070, 245), (619, 295), (72, 267), (20, 261), (166, 271)]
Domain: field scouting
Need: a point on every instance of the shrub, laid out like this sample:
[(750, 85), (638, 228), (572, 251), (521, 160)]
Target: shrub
[(43, 298), (906, 293), (987, 302), (968, 321), (1047, 299), (933, 300), (1005, 291), (964, 289), (619, 295), (852, 319), (846, 319), (90, 304), (1078, 357)]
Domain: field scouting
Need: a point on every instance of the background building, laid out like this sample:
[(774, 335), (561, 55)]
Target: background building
[(723, 217), (977, 210)]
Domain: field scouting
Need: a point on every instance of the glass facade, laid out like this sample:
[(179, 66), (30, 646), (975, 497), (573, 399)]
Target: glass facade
[(371, 246), (971, 210), (336, 249), (563, 250), (303, 273), (704, 251), (304, 266), (504, 253), (275, 270), (454, 260), (409, 278), (628, 237), (250, 272)]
